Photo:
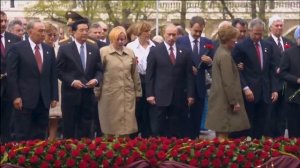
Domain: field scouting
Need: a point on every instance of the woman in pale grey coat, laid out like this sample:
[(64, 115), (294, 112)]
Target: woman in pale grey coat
[(226, 111)]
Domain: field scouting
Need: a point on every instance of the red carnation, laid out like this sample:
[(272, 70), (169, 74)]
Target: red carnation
[(204, 163), (92, 146), (230, 153), (174, 153), (143, 147), (75, 153), (110, 154), (39, 151), (49, 157), (125, 152), (52, 149), (103, 146), (44, 165), (25, 150), (153, 162), (209, 46), (61, 154), (130, 160), (119, 161), (70, 162), (197, 154), (183, 157), (98, 153), (250, 156), (216, 163), (116, 146), (226, 161), (275, 153), (248, 165), (34, 159), (86, 157), (11, 154), (83, 164), (287, 46), (207, 153), (220, 153), (57, 163), (234, 165), (105, 163), (161, 155), (240, 158), (21, 160), (93, 164), (194, 162), (150, 153), (98, 140), (2, 150)]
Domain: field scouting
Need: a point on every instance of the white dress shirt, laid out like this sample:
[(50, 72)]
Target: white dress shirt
[(192, 39), (168, 49), (276, 40), (78, 45), (32, 45), (3, 39), (141, 53)]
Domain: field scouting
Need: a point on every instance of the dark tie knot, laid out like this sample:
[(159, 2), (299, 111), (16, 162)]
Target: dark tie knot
[(37, 47), (279, 40), (171, 48), (81, 46), (195, 41)]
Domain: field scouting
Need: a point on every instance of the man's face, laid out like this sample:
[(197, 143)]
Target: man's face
[(37, 33), (4, 22), (81, 34), (196, 30), (170, 35), (243, 31), (104, 32), (95, 33), (18, 30), (276, 28), (256, 33)]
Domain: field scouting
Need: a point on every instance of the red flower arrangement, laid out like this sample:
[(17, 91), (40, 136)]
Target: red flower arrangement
[(287, 46), (157, 152)]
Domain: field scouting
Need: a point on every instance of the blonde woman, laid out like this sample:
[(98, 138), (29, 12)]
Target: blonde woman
[(120, 88), (226, 111)]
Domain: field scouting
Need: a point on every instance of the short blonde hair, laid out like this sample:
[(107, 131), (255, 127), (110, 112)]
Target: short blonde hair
[(115, 32), (226, 33), (143, 27)]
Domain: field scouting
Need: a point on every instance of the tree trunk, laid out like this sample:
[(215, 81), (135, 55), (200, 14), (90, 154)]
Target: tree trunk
[(226, 10), (110, 13), (262, 10), (253, 9), (183, 13)]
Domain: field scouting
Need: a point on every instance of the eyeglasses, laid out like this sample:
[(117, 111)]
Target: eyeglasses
[(51, 34), (104, 30)]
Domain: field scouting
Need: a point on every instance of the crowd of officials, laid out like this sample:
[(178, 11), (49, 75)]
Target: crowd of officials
[(122, 82)]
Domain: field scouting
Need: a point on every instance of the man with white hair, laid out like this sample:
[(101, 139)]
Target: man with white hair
[(276, 116)]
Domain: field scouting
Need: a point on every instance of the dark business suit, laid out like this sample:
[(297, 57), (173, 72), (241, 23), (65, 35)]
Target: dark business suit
[(262, 82), (290, 72), (36, 89), (197, 108), (276, 118), (6, 108), (170, 85), (77, 104)]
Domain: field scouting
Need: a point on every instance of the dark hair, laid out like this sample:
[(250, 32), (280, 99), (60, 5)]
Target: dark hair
[(197, 19), (238, 21), (2, 13), (74, 26)]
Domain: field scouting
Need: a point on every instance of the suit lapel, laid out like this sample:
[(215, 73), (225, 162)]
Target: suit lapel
[(265, 52), (166, 53), (253, 54), (46, 58), (77, 56), (88, 57)]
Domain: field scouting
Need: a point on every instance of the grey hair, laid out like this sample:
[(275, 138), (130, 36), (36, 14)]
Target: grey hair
[(273, 19), (256, 22), (31, 23), (95, 25), (14, 22)]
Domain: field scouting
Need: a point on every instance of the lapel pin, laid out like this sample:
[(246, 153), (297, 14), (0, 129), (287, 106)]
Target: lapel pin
[(8, 40), (266, 50), (180, 51), (90, 53), (47, 52)]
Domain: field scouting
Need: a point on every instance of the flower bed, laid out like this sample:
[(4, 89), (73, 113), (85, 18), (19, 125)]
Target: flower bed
[(119, 152)]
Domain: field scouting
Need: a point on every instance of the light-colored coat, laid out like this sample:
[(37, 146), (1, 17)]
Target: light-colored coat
[(121, 85), (225, 92)]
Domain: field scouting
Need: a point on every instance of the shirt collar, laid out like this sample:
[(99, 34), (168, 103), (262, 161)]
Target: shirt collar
[(33, 44), (276, 38), (3, 34), (78, 44), (168, 46), (136, 43), (192, 39), (113, 50)]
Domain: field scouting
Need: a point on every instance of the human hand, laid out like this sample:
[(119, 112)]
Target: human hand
[(151, 100)]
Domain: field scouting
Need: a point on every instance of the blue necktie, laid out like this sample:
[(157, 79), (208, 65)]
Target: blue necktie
[(82, 56)]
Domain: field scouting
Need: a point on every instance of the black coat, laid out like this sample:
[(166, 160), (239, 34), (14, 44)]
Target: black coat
[(24, 79), (168, 82)]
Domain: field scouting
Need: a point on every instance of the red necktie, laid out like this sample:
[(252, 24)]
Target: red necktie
[(2, 47), (38, 57), (172, 56), (258, 54)]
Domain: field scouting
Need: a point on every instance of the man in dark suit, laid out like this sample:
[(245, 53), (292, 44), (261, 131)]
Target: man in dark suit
[(202, 55), (276, 119), (32, 83), (79, 69), (95, 34), (7, 40), (290, 72), (257, 77), (169, 86)]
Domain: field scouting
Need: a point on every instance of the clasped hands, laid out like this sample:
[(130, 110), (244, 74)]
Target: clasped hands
[(79, 85), (151, 100)]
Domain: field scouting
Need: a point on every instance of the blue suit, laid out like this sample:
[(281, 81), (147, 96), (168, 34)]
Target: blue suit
[(200, 87)]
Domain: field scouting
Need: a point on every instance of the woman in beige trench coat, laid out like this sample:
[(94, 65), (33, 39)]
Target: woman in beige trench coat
[(226, 111), (120, 88)]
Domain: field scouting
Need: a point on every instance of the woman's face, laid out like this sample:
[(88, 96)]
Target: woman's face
[(145, 36), (121, 41), (51, 37)]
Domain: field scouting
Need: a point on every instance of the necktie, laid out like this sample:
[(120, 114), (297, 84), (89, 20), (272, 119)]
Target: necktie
[(82, 56), (38, 57), (2, 48), (195, 48), (279, 45), (172, 55), (258, 54)]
